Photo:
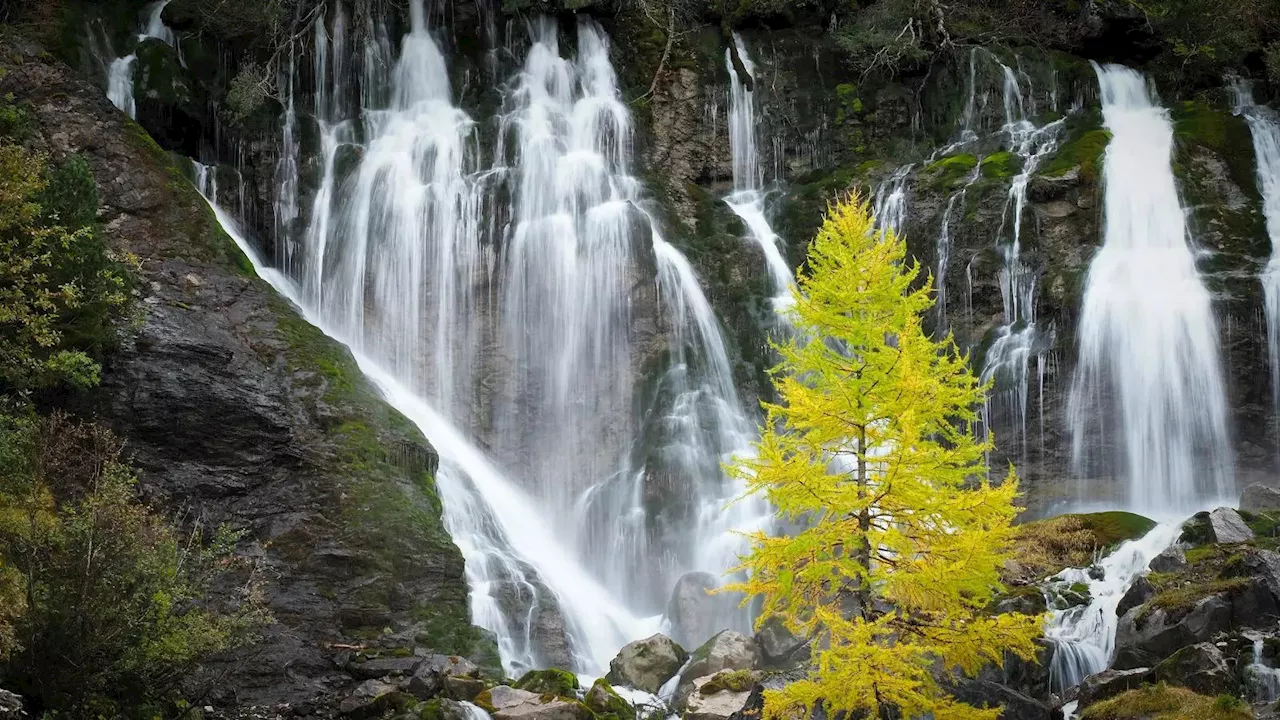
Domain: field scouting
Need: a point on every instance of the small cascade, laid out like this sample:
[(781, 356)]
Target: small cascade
[(1264, 124), (120, 70), (1084, 636), (1149, 379), (1261, 680), (120, 85), (889, 206), (747, 199)]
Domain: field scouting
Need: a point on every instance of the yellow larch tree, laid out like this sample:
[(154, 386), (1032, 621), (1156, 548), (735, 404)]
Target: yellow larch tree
[(896, 533)]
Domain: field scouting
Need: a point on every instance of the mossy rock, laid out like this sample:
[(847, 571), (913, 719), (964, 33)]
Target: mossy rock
[(608, 704), (1114, 527), (1196, 531), (1001, 166), (1165, 702), (1084, 151), (950, 171), (730, 680), (560, 683)]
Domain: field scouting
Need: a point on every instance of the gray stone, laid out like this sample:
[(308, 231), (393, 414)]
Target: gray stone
[(1260, 498), (1200, 667), (383, 667), (511, 704), (428, 680), (371, 698), (728, 650), (1109, 683), (714, 706), (647, 664), (457, 687), (1138, 594), (1228, 527), (693, 612), (1170, 559), (778, 647), (1145, 638)]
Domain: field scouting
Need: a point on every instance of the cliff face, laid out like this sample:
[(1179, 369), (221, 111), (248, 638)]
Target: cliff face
[(236, 411)]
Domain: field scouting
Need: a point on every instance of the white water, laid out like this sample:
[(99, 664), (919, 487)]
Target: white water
[(120, 71), (747, 199), (513, 306), (1084, 637), (1264, 124), (1149, 379), (1261, 680)]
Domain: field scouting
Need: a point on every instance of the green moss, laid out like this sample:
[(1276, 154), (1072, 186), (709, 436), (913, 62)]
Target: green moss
[(1263, 525), (608, 704), (1182, 598), (950, 171), (1164, 702), (731, 680), (556, 682), (1196, 122), (1114, 527), (1001, 166), (1084, 151)]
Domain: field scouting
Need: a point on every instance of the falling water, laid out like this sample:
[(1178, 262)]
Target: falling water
[(1084, 636), (890, 203), (747, 199), (1149, 375), (120, 70), (1261, 680), (517, 306), (1264, 124)]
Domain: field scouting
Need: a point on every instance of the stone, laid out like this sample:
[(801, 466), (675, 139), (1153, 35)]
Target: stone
[(508, 703), (778, 647), (556, 682), (1138, 594), (1170, 559), (383, 667), (1227, 527), (647, 664), (1200, 667), (428, 680), (728, 650), (1016, 706), (1260, 498), (11, 706), (1109, 683), (693, 612), (371, 698), (608, 704), (718, 705), (1145, 638), (457, 687)]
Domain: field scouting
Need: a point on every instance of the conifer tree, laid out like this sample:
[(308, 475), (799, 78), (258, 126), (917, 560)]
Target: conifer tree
[(871, 454)]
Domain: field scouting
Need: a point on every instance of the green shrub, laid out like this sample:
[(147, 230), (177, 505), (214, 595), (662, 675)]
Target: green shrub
[(113, 615)]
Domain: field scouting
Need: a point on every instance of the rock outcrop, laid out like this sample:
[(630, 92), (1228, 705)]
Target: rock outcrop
[(237, 412), (1260, 498), (1227, 527)]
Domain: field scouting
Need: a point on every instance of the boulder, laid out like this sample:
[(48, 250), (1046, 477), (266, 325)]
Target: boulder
[(694, 614), (1138, 594), (778, 647), (728, 650), (11, 706), (1016, 706), (428, 679), (1170, 559), (1227, 527), (371, 698), (1260, 498), (1108, 684), (508, 703), (555, 682), (647, 664), (607, 704), (375, 668), (1200, 667), (716, 698), (458, 687), (1145, 636), (442, 709)]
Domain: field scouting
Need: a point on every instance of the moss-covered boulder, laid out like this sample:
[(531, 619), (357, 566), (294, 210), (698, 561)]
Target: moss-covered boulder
[(608, 704), (1165, 702), (555, 682)]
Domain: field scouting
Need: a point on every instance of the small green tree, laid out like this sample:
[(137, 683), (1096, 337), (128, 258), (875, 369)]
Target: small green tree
[(871, 451)]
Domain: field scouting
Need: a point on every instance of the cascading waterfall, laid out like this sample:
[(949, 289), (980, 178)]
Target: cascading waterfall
[(1149, 378), (747, 199), (120, 70), (1264, 125), (515, 305)]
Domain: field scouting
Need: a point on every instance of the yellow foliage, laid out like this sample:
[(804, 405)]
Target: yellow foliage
[(872, 452)]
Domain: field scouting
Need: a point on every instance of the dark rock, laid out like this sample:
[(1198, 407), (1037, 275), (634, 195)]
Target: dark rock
[(1138, 594), (778, 647), (1043, 189), (647, 664), (383, 667), (1200, 667), (1260, 498), (457, 687), (984, 693), (371, 698), (1227, 527), (1146, 636), (428, 679), (1109, 683), (11, 706), (1170, 559)]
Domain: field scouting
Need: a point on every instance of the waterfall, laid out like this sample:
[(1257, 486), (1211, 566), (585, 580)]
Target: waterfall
[(1261, 680), (523, 308), (1149, 380), (747, 199), (889, 206), (1084, 636), (120, 70), (120, 85), (1264, 125)]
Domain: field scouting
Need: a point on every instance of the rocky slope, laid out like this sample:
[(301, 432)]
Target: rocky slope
[(236, 411)]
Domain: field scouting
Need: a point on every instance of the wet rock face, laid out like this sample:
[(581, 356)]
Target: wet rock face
[(236, 412), (693, 611)]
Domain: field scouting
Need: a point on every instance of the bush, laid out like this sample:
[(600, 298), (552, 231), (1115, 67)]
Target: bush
[(62, 291), (111, 618)]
